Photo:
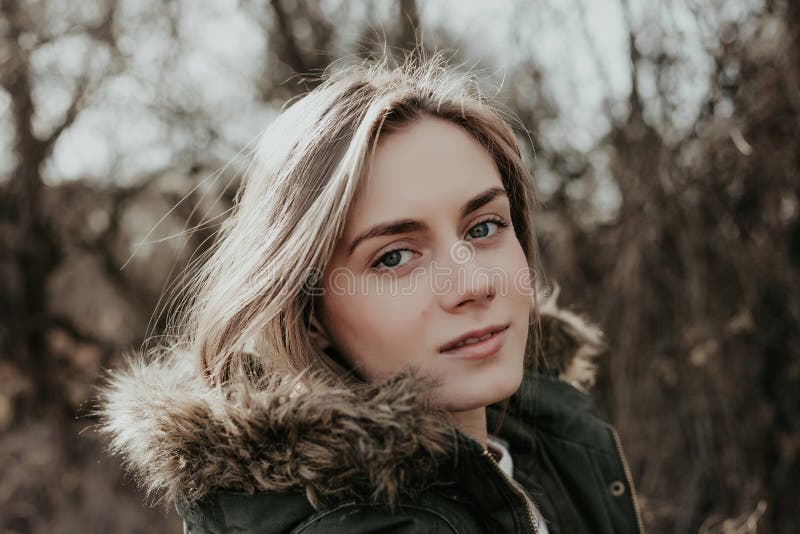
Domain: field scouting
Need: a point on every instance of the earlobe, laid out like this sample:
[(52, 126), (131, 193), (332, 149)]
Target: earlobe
[(318, 333), (321, 338)]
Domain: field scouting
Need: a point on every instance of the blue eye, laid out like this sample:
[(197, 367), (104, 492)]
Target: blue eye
[(394, 258), (391, 259), (483, 228)]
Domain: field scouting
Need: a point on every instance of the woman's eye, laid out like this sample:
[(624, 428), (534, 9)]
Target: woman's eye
[(484, 228), (392, 259)]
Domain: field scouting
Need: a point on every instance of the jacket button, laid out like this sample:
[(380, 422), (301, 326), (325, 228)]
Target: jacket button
[(617, 488)]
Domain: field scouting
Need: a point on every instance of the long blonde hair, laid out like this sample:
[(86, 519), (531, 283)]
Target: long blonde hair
[(255, 293)]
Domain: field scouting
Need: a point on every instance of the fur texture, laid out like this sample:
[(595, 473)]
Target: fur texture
[(570, 343), (183, 439)]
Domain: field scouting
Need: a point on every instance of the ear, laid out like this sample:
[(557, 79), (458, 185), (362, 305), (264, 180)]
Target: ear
[(318, 332)]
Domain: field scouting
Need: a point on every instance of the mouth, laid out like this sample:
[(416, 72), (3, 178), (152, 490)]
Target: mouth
[(477, 343)]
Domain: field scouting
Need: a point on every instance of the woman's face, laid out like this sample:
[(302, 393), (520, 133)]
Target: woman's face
[(425, 259)]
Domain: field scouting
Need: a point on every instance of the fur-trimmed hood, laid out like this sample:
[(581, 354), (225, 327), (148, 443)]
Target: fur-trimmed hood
[(181, 438)]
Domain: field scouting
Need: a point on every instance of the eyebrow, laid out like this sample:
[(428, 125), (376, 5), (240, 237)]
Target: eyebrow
[(405, 226)]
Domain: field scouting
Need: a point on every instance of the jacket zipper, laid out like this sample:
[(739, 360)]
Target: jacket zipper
[(515, 488), (626, 469)]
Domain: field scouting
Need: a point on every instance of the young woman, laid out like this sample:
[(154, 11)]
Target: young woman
[(358, 353)]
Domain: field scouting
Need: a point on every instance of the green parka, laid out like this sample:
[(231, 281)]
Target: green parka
[(278, 457)]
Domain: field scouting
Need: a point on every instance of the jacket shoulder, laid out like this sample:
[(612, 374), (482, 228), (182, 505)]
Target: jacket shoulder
[(283, 513), (361, 518)]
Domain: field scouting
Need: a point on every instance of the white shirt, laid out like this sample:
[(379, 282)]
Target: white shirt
[(507, 465)]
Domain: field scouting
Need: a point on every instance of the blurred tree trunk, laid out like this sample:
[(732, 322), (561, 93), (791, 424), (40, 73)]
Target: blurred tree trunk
[(32, 249)]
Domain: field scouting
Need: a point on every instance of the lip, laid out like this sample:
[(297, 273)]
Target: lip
[(481, 349)]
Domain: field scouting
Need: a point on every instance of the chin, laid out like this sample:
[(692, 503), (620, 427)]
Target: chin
[(481, 390)]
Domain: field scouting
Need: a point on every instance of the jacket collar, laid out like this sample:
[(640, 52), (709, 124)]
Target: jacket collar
[(181, 438)]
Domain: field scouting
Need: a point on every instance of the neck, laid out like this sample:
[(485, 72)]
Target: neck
[(472, 423)]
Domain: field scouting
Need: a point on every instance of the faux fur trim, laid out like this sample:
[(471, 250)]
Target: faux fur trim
[(570, 342), (181, 438)]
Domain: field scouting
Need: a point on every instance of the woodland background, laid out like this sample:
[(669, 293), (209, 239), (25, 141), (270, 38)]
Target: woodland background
[(667, 153)]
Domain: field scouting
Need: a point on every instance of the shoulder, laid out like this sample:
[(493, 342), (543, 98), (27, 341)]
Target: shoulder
[(291, 513), (406, 518), (440, 509)]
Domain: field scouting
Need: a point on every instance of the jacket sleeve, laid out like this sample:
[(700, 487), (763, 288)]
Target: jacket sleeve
[(358, 518)]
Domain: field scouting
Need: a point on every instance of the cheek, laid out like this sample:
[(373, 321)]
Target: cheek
[(519, 275), (378, 332)]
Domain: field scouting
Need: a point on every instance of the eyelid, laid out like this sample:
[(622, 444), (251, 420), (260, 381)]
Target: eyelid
[(489, 217), (394, 248), (501, 222)]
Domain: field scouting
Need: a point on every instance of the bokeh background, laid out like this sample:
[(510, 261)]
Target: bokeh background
[(664, 138)]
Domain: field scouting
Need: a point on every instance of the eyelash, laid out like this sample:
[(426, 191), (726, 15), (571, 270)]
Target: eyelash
[(501, 224)]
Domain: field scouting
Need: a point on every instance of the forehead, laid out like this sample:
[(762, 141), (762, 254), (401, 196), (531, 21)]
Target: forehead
[(432, 164)]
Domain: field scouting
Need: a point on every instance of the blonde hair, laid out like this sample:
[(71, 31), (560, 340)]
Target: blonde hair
[(255, 293)]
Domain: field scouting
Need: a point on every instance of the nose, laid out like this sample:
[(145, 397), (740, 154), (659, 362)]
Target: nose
[(463, 282)]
